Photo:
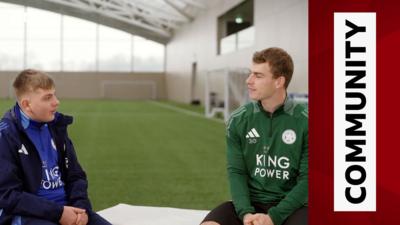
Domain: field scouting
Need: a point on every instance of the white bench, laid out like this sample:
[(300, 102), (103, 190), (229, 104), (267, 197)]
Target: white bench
[(123, 214)]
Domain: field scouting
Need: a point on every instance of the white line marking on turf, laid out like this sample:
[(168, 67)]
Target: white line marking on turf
[(184, 111)]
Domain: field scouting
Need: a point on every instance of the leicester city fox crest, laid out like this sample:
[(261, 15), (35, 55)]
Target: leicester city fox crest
[(289, 136)]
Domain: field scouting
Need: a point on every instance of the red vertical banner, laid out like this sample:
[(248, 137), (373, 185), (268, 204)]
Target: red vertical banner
[(321, 125)]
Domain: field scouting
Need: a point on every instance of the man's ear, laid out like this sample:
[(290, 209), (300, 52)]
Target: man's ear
[(25, 104), (280, 82)]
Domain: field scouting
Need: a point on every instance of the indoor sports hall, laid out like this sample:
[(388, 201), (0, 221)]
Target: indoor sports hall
[(150, 85)]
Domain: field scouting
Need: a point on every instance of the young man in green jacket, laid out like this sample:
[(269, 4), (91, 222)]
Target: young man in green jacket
[(267, 150)]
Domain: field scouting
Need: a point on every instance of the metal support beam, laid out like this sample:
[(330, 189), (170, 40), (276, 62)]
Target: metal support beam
[(178, 10), (154, 20)]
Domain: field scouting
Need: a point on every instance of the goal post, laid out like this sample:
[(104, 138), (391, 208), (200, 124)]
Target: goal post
[(225, 90)]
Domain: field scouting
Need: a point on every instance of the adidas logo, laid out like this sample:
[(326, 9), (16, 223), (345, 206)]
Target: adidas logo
[(252, 134), (23, 150)]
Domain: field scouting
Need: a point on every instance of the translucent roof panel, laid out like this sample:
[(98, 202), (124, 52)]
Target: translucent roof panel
[(152, 19)]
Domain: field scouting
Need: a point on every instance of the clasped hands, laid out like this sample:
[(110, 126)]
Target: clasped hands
[(73, 216), (257, 219)]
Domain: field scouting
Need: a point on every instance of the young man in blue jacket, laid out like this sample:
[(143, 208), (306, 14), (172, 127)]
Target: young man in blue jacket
[(41, 181)]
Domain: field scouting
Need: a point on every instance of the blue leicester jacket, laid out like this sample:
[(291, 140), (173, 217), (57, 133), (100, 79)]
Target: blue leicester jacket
[(21, 171)]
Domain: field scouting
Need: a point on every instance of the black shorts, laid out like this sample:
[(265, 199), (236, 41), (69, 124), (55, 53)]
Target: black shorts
[(225, 214)]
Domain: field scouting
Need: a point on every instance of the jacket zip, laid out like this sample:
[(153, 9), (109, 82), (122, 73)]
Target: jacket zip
[(270, 125)]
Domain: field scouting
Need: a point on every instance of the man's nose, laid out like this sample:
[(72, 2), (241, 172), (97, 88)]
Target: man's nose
[(249, 79), (56, 101)]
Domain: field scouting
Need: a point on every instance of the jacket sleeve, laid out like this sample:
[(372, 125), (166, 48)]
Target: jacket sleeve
[(76, 181), (237, 174), (298, 196), (13, 199)]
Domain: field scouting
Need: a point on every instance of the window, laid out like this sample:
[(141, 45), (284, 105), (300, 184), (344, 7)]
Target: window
[(34, 38), (12, 19), (79, 49), (245, 38), (114, 50), (43, 42), (148, 56), (235, 28)]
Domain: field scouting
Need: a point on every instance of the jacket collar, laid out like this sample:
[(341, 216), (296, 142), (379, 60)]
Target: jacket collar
[(26, 121), (285, 106), (60, 120)]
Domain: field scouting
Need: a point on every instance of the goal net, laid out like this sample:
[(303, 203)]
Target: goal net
[(225, 91)]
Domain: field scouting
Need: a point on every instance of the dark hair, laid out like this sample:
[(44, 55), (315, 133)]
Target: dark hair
[(279, 60)]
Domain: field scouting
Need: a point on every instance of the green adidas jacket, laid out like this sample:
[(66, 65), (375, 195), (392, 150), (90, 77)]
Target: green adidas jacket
[(267, 158)]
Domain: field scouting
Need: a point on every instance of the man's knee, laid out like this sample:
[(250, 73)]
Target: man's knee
[(209, 223), (31, 221), (96, 219), (299, 217)]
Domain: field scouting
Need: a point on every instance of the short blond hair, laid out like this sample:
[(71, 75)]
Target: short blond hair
[(30, 80)]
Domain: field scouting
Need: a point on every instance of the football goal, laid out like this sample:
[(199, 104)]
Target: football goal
[(225, 90)]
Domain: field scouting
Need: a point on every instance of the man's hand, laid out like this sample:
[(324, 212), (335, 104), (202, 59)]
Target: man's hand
[(248, 218), (82, 219), (70, 215), (261, 219)]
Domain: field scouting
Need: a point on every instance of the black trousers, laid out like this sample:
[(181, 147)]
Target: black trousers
[(225, 214)]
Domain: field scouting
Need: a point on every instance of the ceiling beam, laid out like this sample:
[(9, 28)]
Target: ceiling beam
[(86, 11), (178, 10), (195, 3), (154, 20)]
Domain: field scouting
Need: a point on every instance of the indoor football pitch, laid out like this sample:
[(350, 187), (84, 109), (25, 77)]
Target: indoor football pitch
[(148, 153)]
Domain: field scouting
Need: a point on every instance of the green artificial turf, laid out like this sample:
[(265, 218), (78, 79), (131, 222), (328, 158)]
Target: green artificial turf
[(141, 153)]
